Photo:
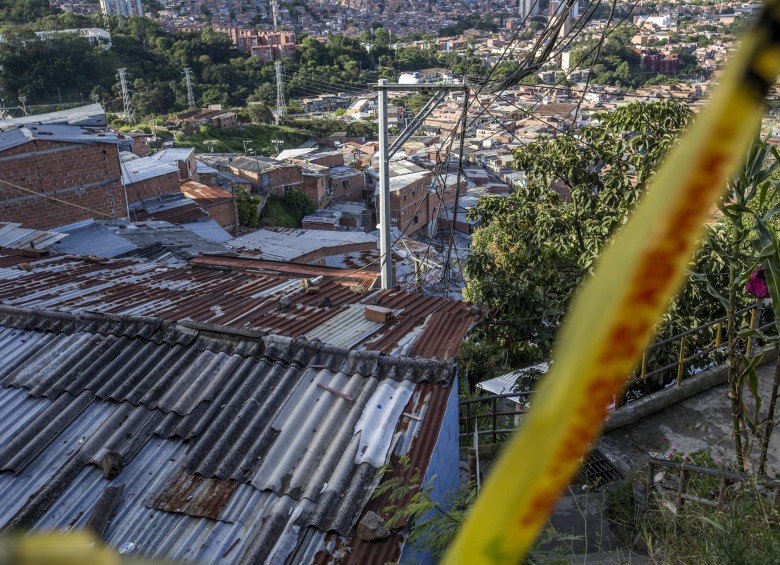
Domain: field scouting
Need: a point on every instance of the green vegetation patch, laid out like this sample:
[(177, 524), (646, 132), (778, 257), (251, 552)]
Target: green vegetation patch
[(214, 140)]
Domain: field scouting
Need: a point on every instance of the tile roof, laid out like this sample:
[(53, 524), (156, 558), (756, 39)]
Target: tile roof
[(229, 446), (236, 292)]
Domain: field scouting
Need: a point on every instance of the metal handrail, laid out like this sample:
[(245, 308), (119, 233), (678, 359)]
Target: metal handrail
[(682, 359)]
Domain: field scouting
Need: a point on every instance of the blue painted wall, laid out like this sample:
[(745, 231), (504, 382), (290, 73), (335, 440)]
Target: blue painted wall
[(444, 466)]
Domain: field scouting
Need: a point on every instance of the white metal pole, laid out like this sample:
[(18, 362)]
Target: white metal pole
[(384, 192)]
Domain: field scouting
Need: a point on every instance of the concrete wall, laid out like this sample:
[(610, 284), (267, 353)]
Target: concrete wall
[(85, 179)]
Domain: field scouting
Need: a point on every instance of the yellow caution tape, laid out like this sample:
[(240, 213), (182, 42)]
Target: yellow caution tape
[(613, 316), (55, 548)]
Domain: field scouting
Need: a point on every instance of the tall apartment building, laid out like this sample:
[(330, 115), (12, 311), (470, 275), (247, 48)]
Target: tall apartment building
[(529, 8), (121, 7)]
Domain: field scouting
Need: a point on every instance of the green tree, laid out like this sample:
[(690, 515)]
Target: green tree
[(259, 114), (536, 246)]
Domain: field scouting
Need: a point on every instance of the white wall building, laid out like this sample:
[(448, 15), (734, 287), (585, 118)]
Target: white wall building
[(121, 7), (95, 35)]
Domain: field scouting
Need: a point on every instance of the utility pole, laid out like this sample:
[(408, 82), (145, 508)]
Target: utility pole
[(126, 100), (386, 151), (190, 95), (384, 192), (277, 143)]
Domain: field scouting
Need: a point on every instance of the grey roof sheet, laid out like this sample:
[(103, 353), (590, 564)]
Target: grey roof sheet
[(91, 115), (229, 439), (13, 236), (145, 168), (92, 239), (289, 244), (209, 230), (183, 243)]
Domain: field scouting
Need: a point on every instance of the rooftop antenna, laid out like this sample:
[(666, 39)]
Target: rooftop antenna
[(190, 95), (129, 115), (281, 105)]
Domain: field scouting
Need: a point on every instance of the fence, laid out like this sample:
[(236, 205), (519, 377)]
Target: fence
[(726, 479), (692, 351)]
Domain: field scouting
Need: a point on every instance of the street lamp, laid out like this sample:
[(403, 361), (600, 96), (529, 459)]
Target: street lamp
[(277, 143)]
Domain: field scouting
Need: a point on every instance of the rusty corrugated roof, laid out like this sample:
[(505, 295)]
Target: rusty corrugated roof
[(262, 295), (230, 446)]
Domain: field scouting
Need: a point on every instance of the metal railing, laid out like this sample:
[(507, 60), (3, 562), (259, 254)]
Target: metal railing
[(727, 478), (475, 414), (492, 414)]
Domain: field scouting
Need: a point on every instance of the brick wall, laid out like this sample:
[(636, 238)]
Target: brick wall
[(150, 188), (85, 180), (273, 181), (408, 203), (349, 188), (315, 187), (333, 159)]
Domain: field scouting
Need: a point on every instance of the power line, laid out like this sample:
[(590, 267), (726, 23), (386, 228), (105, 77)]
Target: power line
[(56, 199)]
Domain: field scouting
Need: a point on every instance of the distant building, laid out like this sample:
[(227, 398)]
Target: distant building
[(95, 35), (528, 8), (654, 62), (121, 7), (265, 45)]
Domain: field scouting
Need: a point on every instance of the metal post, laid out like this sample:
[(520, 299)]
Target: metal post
[(681, 361), (384, 192)]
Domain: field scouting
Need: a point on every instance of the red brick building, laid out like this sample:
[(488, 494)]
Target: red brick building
[(268, 176), (146, 178), (55, 175), (218, 203), (409, 206)]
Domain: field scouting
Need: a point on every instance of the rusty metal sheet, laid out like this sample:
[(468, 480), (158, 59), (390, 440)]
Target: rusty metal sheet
[(193, 495)]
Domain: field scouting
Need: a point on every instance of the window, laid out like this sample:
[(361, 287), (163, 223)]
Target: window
[(416, 219), (404, 198), (264, 180)]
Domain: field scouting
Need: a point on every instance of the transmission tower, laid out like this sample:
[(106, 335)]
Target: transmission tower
[(274, 9), (281, 107), (190, 95), (126, 100)]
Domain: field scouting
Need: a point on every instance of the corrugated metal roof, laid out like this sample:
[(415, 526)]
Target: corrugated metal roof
[(15, 237), (289, 244), (93, 239), (91, 115), (506, 383), (145, 168), (234, 447), (208, 230), (261, 295)]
